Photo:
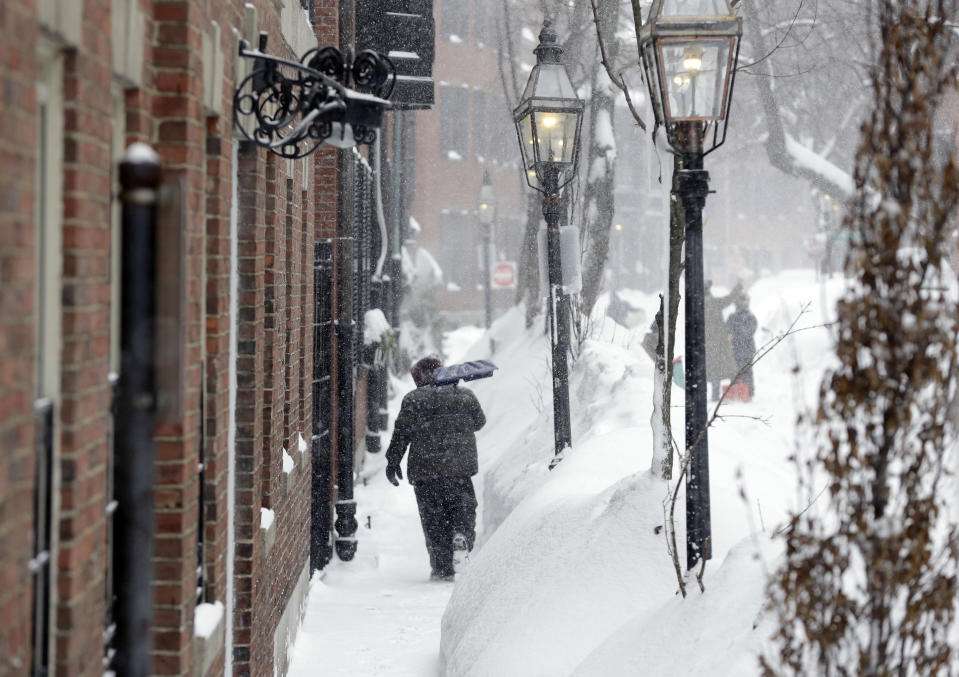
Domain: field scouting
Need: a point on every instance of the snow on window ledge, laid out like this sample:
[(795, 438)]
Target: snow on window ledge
[(209, 631), (267, 530), (289, 466)]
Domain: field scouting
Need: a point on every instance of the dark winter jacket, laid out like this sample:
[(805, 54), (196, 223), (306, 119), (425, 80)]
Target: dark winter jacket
[(742, 328), (438, 424), (720, 362)]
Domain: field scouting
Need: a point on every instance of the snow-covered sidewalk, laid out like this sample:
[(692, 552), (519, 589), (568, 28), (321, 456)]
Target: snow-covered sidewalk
[(379, 614)]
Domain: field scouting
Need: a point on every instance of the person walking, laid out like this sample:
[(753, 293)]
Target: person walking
[(720, 363), (742, 330), (438, 424)]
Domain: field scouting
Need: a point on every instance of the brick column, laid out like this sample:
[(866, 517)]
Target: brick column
[(18, 146), (85, 391)]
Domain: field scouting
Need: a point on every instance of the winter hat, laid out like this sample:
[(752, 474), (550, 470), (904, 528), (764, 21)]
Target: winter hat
[(422, 371)]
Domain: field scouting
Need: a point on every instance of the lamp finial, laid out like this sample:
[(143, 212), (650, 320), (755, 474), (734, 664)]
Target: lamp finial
[(548, 50)]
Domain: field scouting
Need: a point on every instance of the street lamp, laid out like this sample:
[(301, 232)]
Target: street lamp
[(486, 208), (548, 120), (689, 50)]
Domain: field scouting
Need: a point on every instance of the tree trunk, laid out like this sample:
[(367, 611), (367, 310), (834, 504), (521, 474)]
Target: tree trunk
[(600, 167), (528, 288), (777, 148), (662, 465)]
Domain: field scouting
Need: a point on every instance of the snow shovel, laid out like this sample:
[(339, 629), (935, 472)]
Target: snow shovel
[(466, 371)]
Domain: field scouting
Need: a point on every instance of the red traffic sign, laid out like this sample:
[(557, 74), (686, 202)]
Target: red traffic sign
[(503, 275)]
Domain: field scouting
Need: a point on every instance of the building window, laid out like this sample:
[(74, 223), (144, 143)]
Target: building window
[(48, 206), (454, 20), (118, 140), (509, 237), (480, 124), (502, 145), (458, 254), (454, 121), (482, 24)]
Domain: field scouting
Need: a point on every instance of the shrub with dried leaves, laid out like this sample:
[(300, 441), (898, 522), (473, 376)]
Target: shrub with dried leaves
[(869, 581)]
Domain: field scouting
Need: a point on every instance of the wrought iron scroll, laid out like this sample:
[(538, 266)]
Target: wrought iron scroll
[(292, 107)]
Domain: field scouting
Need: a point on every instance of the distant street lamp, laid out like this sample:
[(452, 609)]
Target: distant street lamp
[(487, 208), (690, 49), (548, 120)]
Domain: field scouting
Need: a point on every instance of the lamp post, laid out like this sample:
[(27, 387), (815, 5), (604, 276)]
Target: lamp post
[(689, 50), (486, 209), (548, 120)]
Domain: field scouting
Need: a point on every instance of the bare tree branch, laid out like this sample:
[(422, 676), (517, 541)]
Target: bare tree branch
[(607, 64)]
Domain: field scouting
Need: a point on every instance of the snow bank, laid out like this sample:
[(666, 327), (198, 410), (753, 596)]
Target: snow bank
[(571, 577), (555, 581), (722, 627), (607, 393)]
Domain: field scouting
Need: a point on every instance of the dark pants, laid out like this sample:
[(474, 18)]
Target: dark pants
[(447, 506)]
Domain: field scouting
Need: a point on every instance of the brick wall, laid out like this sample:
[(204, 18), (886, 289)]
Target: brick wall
[(84, 388), (274, 367), (17, 333)]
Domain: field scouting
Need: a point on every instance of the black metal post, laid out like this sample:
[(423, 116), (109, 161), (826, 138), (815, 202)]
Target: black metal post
[(693, 184), (559, 315), (347, 279), (40, 565), (321, 481), (487, 290), (345, 523), (139, 181)]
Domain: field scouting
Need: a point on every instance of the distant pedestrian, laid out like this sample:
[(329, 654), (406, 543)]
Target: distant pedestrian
[(438, 424), (720, 362), (742, 331)]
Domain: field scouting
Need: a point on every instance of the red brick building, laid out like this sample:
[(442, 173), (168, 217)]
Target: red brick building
[(468, 132), (238, 230)]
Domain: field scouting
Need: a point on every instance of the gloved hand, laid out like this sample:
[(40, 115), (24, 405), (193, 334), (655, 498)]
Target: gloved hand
[(392, 472)]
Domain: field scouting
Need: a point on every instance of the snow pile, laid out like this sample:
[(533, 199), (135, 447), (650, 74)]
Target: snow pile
[(375, 325), (288, 464), (571, 576), (206, 617), (266, 518)]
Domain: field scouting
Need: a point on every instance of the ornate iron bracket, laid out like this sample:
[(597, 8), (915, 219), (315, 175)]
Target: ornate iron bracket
[(292, 107)]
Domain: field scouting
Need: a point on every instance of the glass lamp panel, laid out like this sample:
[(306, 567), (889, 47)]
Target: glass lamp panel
[(556, 135), (551, 82), (530, 84), (695, 78), (525, 127), (694, 8)]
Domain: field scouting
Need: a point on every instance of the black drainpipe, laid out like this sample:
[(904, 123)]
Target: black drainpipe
[(136, 406)]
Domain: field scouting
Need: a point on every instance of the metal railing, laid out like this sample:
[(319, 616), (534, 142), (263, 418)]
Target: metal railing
[(42, 530)]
